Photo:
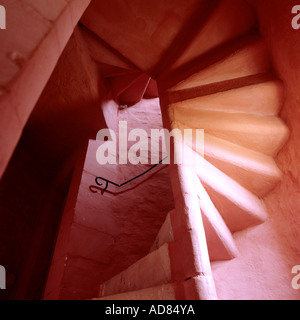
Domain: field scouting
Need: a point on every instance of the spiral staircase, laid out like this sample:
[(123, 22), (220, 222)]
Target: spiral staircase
[(222, 82)]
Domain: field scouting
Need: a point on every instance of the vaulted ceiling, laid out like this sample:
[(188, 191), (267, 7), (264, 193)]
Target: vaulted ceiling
[(139, 30)]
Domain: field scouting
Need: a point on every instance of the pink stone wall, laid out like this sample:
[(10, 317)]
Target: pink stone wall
[(268, 252), (23, 191), (35, 37), (34, 187)]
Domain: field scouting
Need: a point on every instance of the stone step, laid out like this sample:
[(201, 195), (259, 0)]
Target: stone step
[(220, 243), (265, 134), (223, 26), (108, 71), (103, 53), (238, 207), (162, 292), (152, 90), (141, 274), (219, 239), (135, 92), (248, 60), (121, 83), (261, 99), (165, 234), (254, 171)]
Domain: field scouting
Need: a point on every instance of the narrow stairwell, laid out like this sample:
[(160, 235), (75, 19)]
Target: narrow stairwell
[(221, 83)]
